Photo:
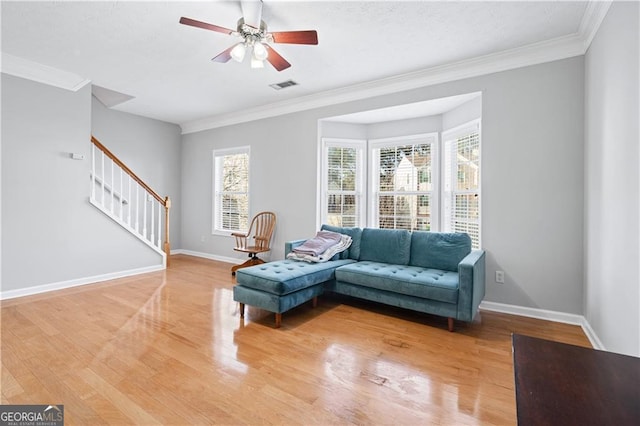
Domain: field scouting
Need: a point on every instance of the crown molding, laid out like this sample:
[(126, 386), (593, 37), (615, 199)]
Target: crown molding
[(30, 70), (551, 50), (591, 20), (546, 51)]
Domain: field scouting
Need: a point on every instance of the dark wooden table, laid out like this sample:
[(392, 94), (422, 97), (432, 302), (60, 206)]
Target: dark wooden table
[(560, 384)]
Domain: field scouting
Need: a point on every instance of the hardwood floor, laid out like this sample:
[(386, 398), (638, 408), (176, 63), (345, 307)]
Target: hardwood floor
[(169, 348)]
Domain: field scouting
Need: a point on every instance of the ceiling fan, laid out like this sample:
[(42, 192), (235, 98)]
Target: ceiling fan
[(255, 38)]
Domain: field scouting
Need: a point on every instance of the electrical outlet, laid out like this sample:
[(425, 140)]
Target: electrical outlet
[(202, 238), (500, 277)]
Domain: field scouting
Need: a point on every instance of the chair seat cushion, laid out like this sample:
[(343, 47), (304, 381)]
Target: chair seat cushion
[(286, 276), (415, 281)]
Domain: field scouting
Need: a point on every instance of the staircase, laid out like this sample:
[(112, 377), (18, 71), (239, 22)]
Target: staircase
[(120, 194)]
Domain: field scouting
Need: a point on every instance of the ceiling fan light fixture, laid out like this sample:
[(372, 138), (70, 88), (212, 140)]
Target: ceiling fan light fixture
[(238, 52), (256, 40), (256, 63), (259, 51)]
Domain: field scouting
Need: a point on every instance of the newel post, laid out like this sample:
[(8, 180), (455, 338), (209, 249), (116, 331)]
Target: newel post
[(167, 242)]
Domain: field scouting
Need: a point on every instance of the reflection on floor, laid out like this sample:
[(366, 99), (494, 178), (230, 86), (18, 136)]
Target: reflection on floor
[(169, 348)]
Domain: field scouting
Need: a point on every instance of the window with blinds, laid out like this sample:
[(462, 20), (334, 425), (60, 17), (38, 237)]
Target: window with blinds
[(424, 182), (404, 183), (231, 190), (342, 201), (461, 182)]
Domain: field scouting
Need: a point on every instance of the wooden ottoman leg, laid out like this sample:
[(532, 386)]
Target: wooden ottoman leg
[(450, 323), (278, 320), (242, 310), (315, 302)]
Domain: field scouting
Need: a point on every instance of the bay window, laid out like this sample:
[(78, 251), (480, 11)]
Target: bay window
[(425, 182)]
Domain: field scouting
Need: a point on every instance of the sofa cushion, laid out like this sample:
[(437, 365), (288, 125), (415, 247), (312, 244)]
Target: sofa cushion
[(385, 245), (353, 252), (439, 250), (410, 280), (286, 276)]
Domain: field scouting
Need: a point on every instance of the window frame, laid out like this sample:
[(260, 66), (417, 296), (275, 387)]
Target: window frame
[(217, 194), (373, 153), (360, 191), (369, 177), (455, 133)]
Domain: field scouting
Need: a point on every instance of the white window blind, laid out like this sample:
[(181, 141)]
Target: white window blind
[(342, 182), (403, 173), (424, 182), (231, 190), (461, 181)]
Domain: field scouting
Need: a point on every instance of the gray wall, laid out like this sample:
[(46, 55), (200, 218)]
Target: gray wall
[(334, 129), (612, 254), (533, 132), (150, 148), (51, 233), (282, 179)]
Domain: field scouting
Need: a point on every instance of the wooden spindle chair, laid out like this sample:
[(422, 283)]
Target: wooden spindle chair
[(260, 231)]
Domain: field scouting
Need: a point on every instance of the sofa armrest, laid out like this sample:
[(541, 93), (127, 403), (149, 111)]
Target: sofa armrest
[(471, 275), (290, 245)]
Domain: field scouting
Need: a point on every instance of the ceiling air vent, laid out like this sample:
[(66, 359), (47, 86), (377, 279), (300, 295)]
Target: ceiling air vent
[(284, 84)]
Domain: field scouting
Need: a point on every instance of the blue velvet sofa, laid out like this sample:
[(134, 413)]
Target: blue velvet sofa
[(436, 273)]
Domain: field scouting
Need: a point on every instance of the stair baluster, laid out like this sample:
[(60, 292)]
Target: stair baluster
[(129, 204), (151, 230), (112, 188)]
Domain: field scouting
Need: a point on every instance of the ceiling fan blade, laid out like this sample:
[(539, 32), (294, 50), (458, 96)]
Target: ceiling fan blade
[(252, 12), (204, 25), (274, 58), (224, 56), (296, 37)]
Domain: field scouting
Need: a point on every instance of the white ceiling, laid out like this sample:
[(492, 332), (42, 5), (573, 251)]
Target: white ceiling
[(140, 49)]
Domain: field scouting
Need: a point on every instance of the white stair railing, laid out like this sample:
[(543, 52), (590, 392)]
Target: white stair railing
[(124, 197)]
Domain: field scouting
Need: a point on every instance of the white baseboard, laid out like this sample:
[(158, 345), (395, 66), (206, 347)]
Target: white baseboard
[(591, 335), (29, 291), (544, 314), (208, 256), (524, 311)]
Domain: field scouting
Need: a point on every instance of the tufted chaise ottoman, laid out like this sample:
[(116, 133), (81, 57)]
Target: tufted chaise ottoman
[(281, 285)]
